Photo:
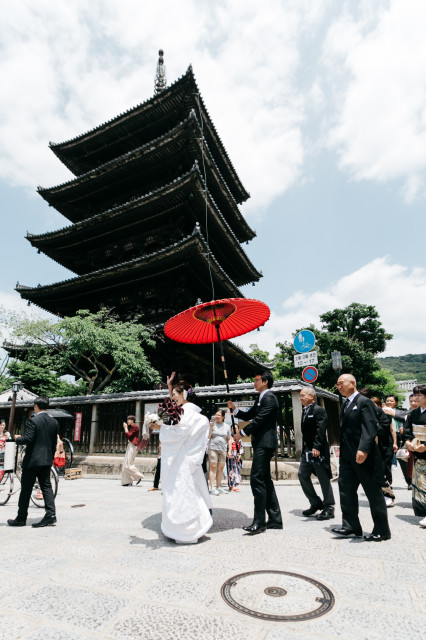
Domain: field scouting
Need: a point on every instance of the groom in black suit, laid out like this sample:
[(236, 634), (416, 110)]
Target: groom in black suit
[(360, 464), (41, 434), (263, 430), (314, 433)]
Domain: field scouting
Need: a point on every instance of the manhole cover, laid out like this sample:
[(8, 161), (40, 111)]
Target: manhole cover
[(277, 595), (75, 506)]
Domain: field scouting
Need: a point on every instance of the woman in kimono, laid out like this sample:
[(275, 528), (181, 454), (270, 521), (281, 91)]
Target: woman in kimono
[(186, 500), (415, 434)]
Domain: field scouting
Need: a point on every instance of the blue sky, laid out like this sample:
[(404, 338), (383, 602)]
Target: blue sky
[(320, 105)]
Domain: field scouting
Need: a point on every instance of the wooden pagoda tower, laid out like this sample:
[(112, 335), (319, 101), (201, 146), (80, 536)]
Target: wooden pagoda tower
[(154, 220)]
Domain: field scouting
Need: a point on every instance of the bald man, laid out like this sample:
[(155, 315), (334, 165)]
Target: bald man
[(360, 464), (314, 434)]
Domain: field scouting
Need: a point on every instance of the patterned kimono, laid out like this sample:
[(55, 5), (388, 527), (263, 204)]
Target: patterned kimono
[(234, 466)]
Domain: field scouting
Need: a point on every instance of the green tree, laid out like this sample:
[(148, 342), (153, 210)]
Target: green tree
[(36, 375), (259, 355), (359, 323), (357, 333), (104, 353)]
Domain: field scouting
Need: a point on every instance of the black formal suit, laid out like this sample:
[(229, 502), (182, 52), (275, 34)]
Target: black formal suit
[(385, 442), (264, 439), (314, 436), (358, 430), (41, 434)]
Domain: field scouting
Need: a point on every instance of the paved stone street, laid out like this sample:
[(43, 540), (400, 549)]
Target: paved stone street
[(106, 571)]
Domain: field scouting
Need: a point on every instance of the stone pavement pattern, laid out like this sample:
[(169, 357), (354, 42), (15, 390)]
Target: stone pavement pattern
[(106, 571)]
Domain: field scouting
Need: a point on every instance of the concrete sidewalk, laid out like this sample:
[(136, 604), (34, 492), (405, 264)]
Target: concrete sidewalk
[(106, 571)]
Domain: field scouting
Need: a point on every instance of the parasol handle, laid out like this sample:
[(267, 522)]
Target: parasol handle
[(225, 372)]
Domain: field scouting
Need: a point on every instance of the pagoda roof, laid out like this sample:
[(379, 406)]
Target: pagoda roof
[(129, 279), (143, 169), (75, 246), (143, 123)]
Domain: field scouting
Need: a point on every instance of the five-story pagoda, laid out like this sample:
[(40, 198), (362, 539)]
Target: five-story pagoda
[(155, 224)]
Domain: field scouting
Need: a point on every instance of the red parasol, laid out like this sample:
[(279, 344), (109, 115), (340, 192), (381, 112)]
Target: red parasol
[(216, 321)]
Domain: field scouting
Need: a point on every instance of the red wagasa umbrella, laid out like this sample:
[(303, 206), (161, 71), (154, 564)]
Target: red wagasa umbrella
[(216, 321)]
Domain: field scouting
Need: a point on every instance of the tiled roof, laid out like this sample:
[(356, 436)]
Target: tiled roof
[(75, 153), (84, 284), (236, 390), (107, 224), (75, 198)]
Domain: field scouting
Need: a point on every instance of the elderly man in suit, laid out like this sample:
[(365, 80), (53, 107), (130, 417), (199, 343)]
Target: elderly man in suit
[(263, 430), (41, 435), (360, 464), (315, 444)]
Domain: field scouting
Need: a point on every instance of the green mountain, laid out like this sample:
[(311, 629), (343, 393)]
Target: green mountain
[(406, 367)]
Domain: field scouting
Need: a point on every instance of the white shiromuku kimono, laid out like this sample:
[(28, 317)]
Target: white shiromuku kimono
[(186, 499)]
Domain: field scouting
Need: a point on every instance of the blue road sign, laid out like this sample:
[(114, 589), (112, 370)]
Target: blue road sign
[(310, 374), (304, 341)]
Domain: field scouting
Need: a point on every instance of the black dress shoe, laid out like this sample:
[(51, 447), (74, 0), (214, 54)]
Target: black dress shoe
[(326, 514), (312, 510), (47, 521), (16, 523), (341, 531), (274, 525), (252, 529), (375, 537)]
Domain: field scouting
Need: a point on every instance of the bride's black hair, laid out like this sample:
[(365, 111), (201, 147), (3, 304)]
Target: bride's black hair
[(185, 386)]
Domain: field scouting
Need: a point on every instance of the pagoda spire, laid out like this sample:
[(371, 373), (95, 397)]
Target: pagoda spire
[(160, 82)]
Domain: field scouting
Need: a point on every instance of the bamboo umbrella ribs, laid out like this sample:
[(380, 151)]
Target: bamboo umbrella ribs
[(215, 321)]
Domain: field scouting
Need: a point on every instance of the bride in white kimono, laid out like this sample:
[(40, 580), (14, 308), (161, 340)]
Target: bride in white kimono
[(186, 499)]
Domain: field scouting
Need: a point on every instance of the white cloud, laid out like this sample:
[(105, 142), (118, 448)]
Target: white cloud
[(398, 293), (377, 79), (67, 67)]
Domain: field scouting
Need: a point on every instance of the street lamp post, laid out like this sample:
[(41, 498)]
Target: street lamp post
[(336, 362), (16, 386)]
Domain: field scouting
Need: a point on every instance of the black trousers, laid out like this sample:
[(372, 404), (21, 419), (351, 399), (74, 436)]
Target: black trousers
[(387, 463), (157, 474), (262, 487), (404, 468), (306, 469), (28, 478), (351, 475)]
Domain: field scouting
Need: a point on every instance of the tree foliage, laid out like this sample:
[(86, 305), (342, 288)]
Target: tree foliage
[(104, 353), (408, 367), (259, 354), (359, 323), (357, 333)]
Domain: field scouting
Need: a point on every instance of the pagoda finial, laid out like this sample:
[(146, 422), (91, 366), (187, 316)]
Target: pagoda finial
[(160, 78)]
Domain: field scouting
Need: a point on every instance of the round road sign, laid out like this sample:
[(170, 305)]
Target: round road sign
[(304, 341), (310, 374)]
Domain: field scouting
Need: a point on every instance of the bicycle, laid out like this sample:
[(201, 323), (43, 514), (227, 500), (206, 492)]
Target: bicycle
[(10, 482), (69, 452)]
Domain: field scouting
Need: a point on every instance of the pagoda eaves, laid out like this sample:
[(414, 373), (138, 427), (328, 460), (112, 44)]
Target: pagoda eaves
[(145, 122), (142, 224), (135, 282), (143, 169)]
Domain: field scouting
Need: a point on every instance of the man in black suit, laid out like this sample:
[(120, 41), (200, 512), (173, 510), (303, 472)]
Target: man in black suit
[(41, 434), (314, 434), (360, 463), (263, 430)]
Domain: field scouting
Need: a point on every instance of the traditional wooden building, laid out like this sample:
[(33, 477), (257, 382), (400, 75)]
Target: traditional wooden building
[(155, 223), (103, 414)]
